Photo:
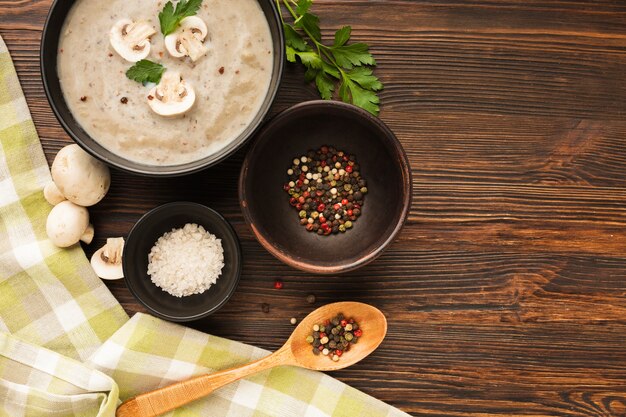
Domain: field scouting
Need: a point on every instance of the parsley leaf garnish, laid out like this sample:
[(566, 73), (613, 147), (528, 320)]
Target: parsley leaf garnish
[(342, 36), (310, 24), (303, 6), (170, 17), (348, 56), (146, 71), (342, 70)]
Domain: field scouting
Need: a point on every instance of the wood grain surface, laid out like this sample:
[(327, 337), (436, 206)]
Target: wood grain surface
[(506, 290)]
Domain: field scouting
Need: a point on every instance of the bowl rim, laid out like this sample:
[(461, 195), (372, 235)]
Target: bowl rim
[(170, 170), (406, 176), (237, 273)]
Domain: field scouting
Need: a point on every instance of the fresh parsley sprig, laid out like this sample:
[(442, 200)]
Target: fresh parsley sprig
[(146, 71), (170, 17), (342, 69)]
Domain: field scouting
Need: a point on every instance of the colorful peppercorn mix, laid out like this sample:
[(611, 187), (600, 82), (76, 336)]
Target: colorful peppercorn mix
[(327, 190), (334, 337)]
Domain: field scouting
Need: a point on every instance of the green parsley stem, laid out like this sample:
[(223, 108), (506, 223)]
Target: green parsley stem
[(293, 14), (296, 17), (322, 50), (280, 12)]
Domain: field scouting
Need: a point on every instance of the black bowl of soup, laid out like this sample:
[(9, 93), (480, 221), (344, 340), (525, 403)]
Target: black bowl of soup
[(234, 79), (308, 221)]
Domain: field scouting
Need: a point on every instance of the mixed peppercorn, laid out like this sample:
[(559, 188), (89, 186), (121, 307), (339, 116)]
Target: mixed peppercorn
[(334, 337), (327, 190)]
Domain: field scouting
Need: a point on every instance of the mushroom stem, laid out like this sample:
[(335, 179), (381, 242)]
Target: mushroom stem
[(87, 236), (107, 261), (112, 252), (138, 32), (172, 96), (193, 46)]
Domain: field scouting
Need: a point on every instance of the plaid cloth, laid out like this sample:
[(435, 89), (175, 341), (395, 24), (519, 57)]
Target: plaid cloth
[(68, 349), (39, 382), (139, 357), (48, 296)]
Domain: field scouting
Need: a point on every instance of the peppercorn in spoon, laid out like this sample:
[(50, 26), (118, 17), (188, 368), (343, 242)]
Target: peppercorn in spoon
[(297, 351)]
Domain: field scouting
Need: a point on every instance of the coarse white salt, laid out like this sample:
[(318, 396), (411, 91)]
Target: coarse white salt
[(186, 261)]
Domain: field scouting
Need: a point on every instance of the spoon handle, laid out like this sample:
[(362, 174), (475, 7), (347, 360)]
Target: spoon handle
[(165, 399)]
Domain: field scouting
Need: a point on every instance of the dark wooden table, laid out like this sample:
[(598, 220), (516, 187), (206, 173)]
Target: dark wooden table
[(506, 290)]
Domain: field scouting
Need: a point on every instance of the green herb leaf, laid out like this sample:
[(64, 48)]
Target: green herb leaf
[(365, 78), (324, 85), (344, 93), (355, 54), (167, 19), (303, 6), (352, 92), (293, 38), (145, 72), (170, 17), (310, 59), (342, 36), (331, 70), (290, 53), (310, 74), (310, 23)]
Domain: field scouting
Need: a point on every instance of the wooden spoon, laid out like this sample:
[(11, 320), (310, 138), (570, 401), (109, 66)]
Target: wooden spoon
[(296, 352)]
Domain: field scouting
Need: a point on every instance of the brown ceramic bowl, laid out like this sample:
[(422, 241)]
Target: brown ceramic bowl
[(275, 223)]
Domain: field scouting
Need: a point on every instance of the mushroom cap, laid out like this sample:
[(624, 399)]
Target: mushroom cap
[(131, 40), (81, 178), (172, 96), (66, 223), (52, 194), (103, 269)]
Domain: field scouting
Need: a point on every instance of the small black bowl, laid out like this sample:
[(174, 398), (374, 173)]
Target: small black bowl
[(144, 235), (308, 126), (52, 86)]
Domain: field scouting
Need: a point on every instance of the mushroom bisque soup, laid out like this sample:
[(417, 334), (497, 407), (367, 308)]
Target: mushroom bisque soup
[(218, 67)]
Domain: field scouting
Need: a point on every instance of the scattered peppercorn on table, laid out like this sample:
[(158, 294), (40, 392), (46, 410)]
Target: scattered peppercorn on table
[(504, 292)]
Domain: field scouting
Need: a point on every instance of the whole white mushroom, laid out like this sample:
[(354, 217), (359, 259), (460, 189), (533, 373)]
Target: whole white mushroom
[(81, 178), (67, 224)]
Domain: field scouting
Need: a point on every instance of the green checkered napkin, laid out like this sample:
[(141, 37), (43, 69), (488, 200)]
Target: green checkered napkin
[(48, 296), (139, 357), (68, 349), (35, 381)]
